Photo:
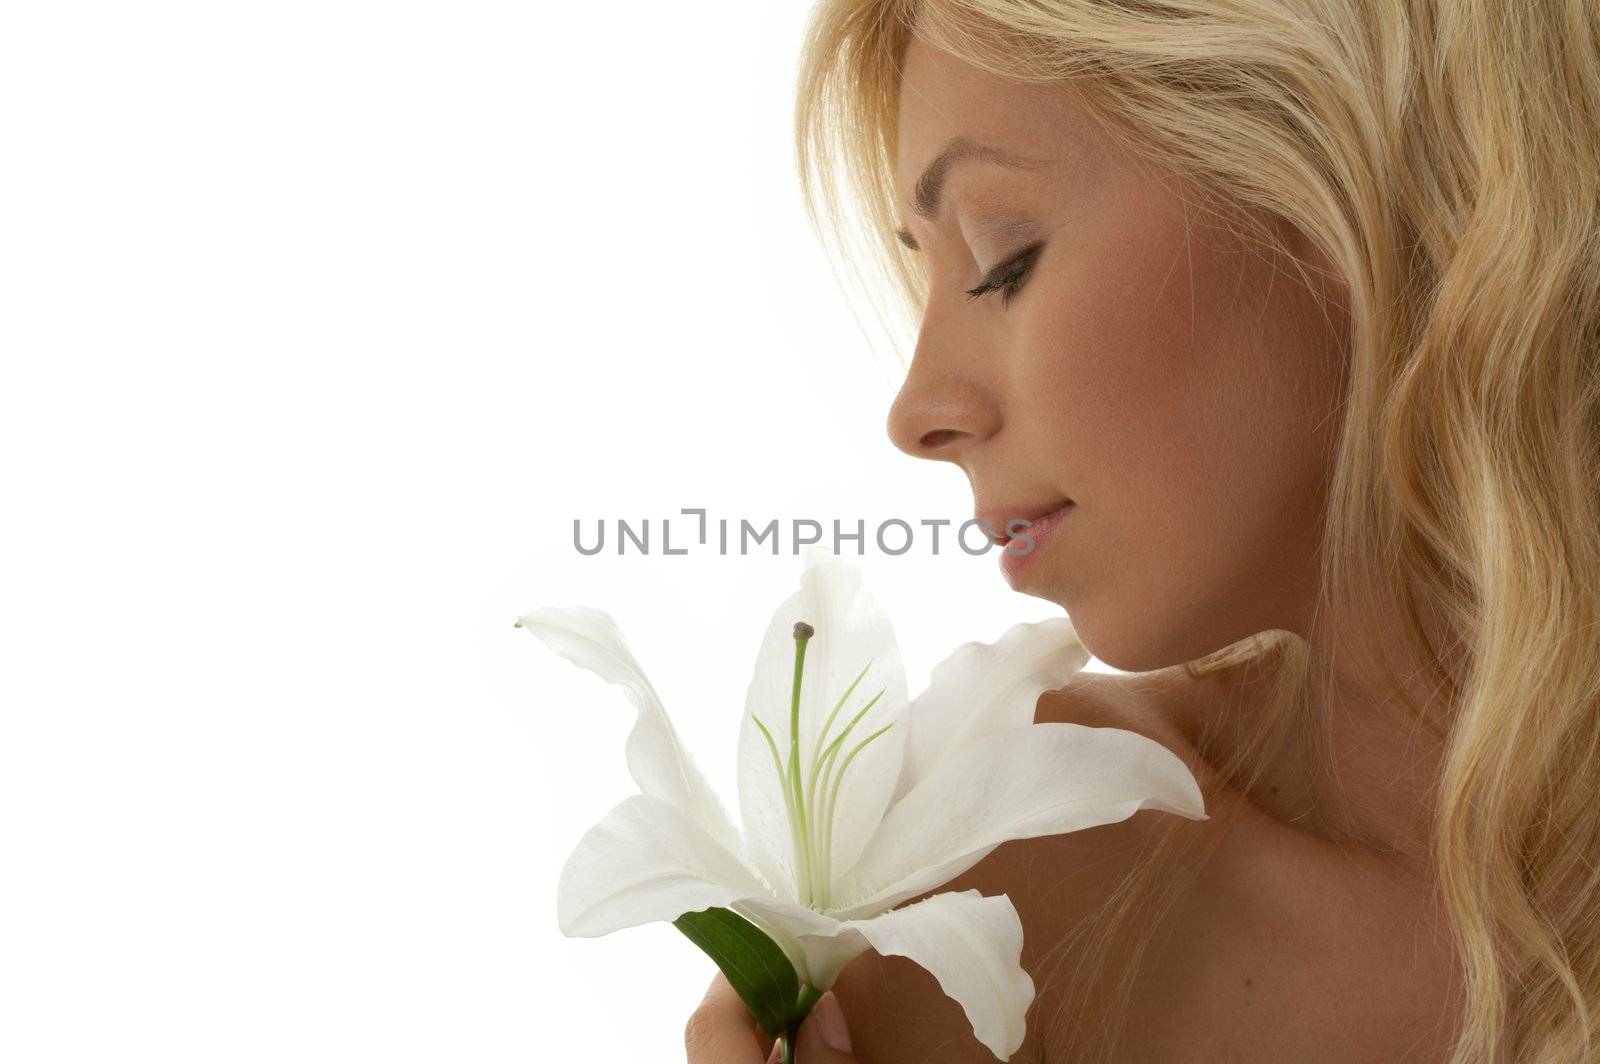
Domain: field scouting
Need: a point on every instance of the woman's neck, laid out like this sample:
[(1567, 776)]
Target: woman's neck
[(1368, 782)]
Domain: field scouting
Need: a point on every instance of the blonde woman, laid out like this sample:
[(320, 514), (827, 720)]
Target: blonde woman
[(1297, 303)]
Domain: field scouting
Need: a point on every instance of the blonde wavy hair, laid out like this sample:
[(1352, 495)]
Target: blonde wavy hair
[(1444, 157)]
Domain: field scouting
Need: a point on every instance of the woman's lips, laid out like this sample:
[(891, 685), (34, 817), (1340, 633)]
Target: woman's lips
[(1003, 523), (1020, 550)]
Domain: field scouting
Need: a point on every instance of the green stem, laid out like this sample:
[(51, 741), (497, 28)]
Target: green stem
[(809, 996)]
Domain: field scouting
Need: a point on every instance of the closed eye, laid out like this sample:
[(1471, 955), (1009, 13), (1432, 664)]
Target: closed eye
[(1009, 275)]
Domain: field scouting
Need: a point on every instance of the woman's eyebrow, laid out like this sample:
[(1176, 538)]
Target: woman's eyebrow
[(930, 186)]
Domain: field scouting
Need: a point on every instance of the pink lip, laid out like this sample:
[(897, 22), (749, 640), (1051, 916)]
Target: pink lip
[(1012, 561), (997, 521)]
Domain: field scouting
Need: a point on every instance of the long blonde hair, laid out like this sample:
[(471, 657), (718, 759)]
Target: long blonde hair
[(1444, 157)]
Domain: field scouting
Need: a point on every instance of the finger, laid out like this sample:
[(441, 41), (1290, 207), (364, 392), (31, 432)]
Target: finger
[(824, 1037), (722, 1031)]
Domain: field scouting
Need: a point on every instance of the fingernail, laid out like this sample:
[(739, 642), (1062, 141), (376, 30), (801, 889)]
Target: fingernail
[(830, 1018)]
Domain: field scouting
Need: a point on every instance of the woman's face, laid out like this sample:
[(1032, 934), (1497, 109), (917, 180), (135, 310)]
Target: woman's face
[(1180, 388)]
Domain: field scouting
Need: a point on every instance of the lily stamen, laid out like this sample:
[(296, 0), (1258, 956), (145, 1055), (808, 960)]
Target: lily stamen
[(833, 800), (816, 746), (802, 635), (811, 822)]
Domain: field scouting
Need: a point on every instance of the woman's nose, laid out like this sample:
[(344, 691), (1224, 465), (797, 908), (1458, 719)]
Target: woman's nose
[(940, 416)]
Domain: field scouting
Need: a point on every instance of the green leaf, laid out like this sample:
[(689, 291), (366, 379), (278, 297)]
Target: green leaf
[(753, 963)]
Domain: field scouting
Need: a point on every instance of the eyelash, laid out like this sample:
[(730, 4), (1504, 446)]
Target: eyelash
[(1008, 277)]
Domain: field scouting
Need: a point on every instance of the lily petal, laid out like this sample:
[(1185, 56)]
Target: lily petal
[(810, 938), (851, 632), (803, 934), (972, 944), (1020, 783), (660, 765), (646, 860), (986, 687)]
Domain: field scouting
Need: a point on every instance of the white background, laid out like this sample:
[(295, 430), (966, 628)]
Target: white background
[(322, 322)]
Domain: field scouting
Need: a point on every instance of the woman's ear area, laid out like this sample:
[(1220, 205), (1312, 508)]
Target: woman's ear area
[(1319, 272)]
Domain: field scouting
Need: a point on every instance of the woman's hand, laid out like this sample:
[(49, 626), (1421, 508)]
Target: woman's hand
[(722, 1031)]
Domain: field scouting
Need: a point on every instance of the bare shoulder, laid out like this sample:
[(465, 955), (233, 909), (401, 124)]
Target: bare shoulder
[(1269, 948), (1260, 942), (896, 1010)]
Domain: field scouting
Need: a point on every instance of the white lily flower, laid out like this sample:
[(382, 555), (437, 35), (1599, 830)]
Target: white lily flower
[(854, 799)]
